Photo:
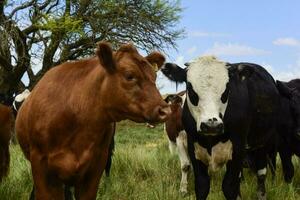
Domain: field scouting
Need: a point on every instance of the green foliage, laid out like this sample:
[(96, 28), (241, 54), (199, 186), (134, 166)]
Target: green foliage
[(48, 33), (143, 169), (60, 24), (156, 21)]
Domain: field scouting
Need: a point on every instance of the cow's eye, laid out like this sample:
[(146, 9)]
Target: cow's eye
[(129, 77), (224, 96)]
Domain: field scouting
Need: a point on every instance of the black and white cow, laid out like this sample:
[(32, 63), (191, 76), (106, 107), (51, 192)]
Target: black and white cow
[(229, 109), (177, 137), (288, 125)]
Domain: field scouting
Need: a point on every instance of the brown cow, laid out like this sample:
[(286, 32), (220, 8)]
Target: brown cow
[(6, 128), (66, 124), (177, 137)]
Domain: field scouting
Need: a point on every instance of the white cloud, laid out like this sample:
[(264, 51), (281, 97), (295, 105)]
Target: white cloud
[(192, 50), (206, 34), (292, 72), (234, 50), (287, 74), (287, 42)]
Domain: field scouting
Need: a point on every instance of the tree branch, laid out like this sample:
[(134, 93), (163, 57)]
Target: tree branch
[(5, 64), (23, 6), (44, 5)]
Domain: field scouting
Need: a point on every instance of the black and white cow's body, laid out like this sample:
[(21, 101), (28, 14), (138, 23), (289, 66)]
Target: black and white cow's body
[(288, 125), (229, 108)]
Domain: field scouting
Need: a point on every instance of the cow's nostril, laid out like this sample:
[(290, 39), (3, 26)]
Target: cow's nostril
[(164, 112)]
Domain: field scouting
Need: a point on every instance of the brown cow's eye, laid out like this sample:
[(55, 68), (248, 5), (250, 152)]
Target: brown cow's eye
[(129, 77)]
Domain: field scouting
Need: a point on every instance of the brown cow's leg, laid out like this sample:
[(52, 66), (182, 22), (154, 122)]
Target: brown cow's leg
[(86, 189), (47, 187)]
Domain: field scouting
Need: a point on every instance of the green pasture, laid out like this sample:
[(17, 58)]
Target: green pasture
[(143, 169)]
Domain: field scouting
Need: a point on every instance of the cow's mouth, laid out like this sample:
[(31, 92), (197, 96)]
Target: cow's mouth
[(212, 133), (211, 128), (209, 134)]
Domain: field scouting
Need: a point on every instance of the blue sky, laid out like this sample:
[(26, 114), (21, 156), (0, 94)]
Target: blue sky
[(266, 32)]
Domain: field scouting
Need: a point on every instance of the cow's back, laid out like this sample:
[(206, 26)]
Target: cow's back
[(265, 107), (295, 83), (258, 109)]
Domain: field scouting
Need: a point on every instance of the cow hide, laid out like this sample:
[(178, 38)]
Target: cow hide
[(221, 153)]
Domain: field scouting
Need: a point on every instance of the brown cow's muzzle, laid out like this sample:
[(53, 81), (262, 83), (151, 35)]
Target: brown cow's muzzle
[(160, 113)]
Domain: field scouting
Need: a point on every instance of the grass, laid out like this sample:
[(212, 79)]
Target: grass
[(143, 169)]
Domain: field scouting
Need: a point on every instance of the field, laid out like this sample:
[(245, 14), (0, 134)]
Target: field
[(143, 169)]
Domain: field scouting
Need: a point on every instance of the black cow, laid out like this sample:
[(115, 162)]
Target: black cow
[(288, 125), (230, 109)]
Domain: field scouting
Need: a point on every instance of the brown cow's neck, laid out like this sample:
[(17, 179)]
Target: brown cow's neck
[(108, 112)]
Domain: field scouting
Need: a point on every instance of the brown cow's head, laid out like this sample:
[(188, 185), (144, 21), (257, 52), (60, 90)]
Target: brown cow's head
[(130, 84)]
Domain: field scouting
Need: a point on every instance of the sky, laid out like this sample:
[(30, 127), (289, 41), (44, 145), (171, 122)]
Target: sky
[(265, 32)]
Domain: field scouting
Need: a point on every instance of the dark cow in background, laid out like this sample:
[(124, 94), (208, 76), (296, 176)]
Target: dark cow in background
[(7, 120), (288, 129), (294, 84), (230, 109), (111, 149), (66, 125), (177, 137), (289, 125), (6, 129), (6, 99)]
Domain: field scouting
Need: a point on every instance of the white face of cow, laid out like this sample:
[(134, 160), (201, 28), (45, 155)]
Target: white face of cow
[(206, 83)]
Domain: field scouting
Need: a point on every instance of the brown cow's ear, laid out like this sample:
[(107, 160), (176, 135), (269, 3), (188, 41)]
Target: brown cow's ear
[(105, 55), (156, 59)]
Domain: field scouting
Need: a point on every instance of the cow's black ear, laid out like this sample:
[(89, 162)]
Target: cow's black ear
[(231, 70), (283, 89), (174, 72)]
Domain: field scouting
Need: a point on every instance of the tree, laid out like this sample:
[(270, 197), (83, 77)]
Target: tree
[(37, 35)]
